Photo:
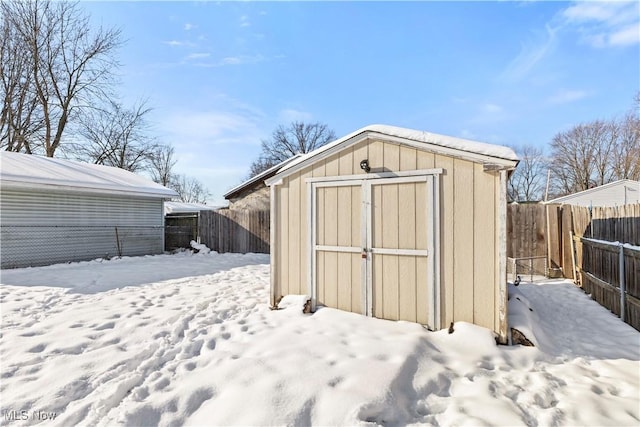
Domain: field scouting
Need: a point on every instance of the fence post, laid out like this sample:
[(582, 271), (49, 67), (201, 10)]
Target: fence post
[(621, 281)]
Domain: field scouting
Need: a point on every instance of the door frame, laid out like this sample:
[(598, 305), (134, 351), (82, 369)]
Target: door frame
[(366, 181)]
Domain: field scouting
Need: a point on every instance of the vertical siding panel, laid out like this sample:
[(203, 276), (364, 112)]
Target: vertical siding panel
[(408, 158), (447, 251), (376, 156), (484, 248), (425, 160), (332, 166), (344, 281), (356, 240), (295, 234), (463, 261), (390, 229), (345, 163), (392, 157), (407, 240), (356, 283), (360, 153), (343, 215)]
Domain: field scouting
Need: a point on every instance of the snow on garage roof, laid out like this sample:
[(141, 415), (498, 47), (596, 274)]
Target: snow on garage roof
[(28, 171), (433, 140), (183, 207)]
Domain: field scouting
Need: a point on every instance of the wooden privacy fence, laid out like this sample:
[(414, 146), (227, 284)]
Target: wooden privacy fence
[(239, 231), (611, 274), (595, 247), (180, 230)]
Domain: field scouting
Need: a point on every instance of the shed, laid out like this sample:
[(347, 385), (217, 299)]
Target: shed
[(54, 210), (617, 193), (397, 224), (253, 194)]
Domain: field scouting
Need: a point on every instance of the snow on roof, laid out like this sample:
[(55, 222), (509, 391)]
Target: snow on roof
[(28, 171), (491, 150), (260, 177), (182, 207)]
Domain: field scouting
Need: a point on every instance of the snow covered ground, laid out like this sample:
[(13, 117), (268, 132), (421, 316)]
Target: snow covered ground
[(189, 339)]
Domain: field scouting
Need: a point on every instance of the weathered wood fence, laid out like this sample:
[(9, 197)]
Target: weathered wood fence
[(607, 252), (239, 231), (593, 246), (180, 230)]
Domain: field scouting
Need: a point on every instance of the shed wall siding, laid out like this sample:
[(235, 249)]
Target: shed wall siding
[(39, 228), (468, 195)]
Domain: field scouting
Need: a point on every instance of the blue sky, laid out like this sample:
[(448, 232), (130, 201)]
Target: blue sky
[(222, 76)]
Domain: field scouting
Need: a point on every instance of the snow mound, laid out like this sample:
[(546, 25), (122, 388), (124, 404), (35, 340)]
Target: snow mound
[(199, 247)]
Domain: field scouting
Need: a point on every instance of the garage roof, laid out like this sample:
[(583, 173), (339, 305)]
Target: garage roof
[(478, 151), (25, 171)]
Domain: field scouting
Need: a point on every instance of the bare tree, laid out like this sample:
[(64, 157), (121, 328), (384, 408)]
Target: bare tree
[(65, 66), (596, 153), (161, 165), (116, 136), (298, 137), (528, 180), (20, 119), (190, 190), (626, 149), (580, 158)]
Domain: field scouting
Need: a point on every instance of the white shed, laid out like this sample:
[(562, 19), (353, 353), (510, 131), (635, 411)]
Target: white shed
[(397, 224), (618, 193), (54, 210)]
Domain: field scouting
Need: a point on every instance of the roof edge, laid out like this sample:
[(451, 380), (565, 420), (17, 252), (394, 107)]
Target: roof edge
[(261, 176), (592, 190), (401, 135)]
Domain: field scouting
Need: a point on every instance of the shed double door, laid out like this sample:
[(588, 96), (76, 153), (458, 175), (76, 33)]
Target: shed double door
[(373, 247)]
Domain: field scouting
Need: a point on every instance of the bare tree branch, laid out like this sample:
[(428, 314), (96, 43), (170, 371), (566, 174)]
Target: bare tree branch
[(297, 137), (116, 136), (190, 189), (63, 66), (528, 180)]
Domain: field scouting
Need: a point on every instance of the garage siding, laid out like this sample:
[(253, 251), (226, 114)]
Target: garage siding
[(40, 228), (468, 241)]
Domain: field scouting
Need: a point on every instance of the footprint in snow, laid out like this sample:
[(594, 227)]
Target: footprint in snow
[(37, 349), (108, 325)]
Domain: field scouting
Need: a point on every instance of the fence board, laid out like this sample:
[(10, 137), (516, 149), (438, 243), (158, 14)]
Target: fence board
[(239, 231)]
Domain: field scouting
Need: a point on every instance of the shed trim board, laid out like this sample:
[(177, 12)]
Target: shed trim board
[(274, 258), (367, 249)]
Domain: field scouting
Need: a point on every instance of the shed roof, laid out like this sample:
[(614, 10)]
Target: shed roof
[(479, 151), (621, 192), (259, 178), (26, 171)]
